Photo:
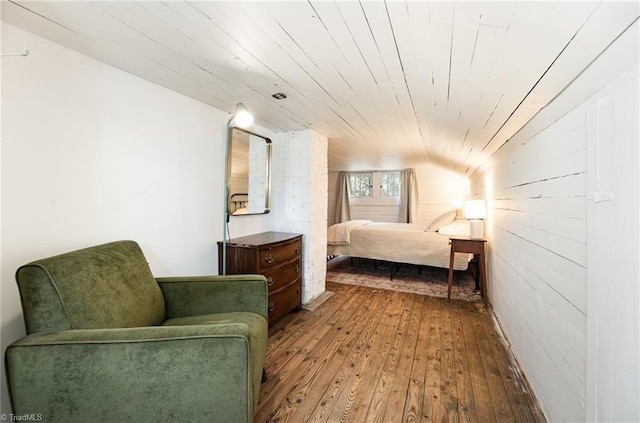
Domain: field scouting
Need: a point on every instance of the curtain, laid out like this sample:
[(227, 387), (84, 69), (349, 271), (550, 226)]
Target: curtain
[(408, 196), (343, 207)]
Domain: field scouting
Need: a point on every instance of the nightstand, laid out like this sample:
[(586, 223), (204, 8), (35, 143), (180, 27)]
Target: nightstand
[(472, 246)]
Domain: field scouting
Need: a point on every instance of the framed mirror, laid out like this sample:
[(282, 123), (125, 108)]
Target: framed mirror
[(248, 173)]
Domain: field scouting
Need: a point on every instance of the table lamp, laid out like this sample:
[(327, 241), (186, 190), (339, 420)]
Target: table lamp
[(475, 211)]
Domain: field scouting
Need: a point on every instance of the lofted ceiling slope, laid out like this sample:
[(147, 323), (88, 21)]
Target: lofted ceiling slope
[(392, 84)]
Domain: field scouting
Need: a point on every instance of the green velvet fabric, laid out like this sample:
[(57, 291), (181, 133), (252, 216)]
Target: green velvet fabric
[(100, 348), (192, 296), (161, 374), (107, 286), (250, 325)]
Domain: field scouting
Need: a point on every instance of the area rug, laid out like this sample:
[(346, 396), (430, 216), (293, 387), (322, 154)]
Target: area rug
[(423, 280)]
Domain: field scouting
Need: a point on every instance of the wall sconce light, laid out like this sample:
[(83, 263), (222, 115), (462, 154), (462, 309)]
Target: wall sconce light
[(475, 211), (241, 118)]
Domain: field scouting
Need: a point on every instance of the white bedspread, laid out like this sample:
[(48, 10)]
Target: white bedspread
[(340, 233), (401, 243)]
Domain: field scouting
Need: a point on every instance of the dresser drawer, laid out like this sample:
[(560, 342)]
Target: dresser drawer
[(284, 301), (275, 256), (282, 276)]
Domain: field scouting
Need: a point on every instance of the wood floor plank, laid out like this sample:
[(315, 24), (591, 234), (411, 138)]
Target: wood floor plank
[(279, 383), (416, 390), (398, 397), (384, 384), (297, 325), (479, 384), (330, 395), (314, 368), (432, 405), (370, 355), (327, 359), (466, 404), (448, 380), (352, 405)]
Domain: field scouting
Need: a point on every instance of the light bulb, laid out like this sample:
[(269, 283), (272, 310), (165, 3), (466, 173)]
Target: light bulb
[(242, 117)]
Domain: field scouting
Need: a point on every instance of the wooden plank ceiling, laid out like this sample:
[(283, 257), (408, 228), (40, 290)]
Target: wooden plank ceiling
[(391, 84)]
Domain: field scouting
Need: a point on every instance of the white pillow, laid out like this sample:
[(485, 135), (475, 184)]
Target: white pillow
[(442, 220)]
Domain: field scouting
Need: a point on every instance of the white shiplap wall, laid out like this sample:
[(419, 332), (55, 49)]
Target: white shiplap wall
[(377, 213), (437, 186), (543, 249)]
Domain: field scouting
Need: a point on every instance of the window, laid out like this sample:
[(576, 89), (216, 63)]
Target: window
[(361, 184), (390, 184), (375, 187)]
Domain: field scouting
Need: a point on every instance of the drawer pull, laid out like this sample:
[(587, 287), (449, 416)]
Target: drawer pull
[(297, 250), (272, 307), (297, 268), (269, 259), (270, 281)]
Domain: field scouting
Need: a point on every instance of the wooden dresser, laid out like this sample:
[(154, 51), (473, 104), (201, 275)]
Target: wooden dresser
[(277, 256)]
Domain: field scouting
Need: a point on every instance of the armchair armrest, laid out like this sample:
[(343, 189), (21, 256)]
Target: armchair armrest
[(192, 296), (190, 373)]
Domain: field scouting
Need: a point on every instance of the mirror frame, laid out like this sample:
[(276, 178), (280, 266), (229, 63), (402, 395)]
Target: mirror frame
[(228, 164)]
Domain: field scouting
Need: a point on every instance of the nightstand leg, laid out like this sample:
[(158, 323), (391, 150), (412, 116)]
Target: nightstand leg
[(475, 270), (483, 277), (450, 282)]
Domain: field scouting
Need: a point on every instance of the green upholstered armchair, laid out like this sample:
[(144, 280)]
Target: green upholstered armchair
[(109, 343)]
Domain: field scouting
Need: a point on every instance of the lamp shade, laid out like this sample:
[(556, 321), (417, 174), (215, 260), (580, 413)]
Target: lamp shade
[(475, 209), (242, 117)]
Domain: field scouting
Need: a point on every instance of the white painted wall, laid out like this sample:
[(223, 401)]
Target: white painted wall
[(563, 269), (92, 154), (300, 183)]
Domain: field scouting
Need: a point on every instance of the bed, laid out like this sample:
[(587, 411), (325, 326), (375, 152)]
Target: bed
[(426, 245), (238, 203)]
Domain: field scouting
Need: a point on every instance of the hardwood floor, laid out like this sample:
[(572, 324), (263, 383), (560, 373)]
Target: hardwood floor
[(368, 355)]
